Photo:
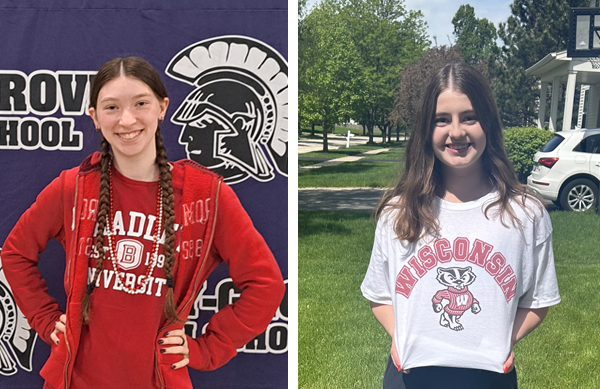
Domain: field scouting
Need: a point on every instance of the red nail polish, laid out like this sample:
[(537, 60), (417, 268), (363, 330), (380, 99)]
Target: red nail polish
[(505, 369), (399, 368)]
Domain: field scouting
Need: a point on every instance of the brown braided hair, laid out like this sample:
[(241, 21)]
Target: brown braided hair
[(137, 68)]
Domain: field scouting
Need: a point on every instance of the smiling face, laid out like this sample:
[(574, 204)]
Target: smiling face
[(127, 112), (458, 139)]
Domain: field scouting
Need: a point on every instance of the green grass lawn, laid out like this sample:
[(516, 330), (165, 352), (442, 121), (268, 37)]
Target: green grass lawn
[(341, 345), (362, 173), (359, 174), (306, 163), (395, 151)]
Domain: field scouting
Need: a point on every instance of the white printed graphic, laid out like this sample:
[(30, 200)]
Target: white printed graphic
[(274, 340), (236, 120), (129, 253), (17, 338)]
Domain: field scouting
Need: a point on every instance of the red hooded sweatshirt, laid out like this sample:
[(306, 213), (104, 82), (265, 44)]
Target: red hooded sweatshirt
[(227, 235)]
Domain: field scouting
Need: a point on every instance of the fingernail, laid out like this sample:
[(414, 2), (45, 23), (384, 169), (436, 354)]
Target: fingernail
[(505, 369), (163, 350), (57, 342), (160, 341), (399, 368), (166, 334), (173, 367)]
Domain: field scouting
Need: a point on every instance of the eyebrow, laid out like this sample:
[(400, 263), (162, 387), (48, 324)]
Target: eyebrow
[(138, 96), (470, 111)]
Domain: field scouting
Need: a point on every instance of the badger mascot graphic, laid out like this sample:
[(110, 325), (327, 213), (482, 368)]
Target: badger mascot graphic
[(457, 279), (17, 338), (235, 120)]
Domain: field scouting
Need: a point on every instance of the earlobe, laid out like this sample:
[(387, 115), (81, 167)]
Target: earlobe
[(92, 113), (163, 108)]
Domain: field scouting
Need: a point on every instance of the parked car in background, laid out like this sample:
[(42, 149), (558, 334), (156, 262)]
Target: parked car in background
[(567, 170)]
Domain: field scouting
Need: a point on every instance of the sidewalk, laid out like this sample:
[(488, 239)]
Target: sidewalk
[(338, 199), (348, 199), (333, 141)]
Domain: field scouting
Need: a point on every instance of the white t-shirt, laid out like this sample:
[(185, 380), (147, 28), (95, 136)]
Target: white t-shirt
[(455, 297)]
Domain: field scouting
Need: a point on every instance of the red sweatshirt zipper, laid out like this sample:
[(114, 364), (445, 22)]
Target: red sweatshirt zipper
[(74, 228)]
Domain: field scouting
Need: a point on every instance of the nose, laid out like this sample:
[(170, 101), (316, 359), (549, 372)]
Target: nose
[(456, 129), (127, 118)]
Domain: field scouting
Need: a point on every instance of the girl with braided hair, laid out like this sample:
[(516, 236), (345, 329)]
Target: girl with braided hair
[(141, 236)]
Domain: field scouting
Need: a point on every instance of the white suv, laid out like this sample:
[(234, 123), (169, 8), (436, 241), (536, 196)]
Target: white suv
[(567, 169)]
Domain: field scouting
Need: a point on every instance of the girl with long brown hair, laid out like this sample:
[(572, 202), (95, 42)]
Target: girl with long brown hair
[(462, 266), (141, 236)]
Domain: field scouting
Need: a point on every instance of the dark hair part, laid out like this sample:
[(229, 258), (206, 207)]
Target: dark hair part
[(141, 70), (414, 195)]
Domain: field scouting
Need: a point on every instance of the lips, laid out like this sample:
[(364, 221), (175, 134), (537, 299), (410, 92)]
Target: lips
[(458, 146), (129, 135)]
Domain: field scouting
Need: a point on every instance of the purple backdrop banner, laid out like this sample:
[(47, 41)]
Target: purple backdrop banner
[(229, 55)]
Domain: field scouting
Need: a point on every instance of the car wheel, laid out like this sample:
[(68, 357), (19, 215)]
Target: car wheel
[(579, 195)]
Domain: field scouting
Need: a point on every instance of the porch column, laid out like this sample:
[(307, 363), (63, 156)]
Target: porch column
[(592, 114), (569, 98), (542, 110), (554, 104)]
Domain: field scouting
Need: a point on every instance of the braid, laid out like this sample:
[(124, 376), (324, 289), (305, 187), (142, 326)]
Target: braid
[(166, 185), (103, 210)]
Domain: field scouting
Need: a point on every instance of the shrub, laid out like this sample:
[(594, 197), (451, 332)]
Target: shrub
[(521, 144)]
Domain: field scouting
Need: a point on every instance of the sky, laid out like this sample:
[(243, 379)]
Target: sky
[(439, 13)]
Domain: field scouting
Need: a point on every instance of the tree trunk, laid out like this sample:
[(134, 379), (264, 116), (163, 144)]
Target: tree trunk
[(397, 133), (325, 129)]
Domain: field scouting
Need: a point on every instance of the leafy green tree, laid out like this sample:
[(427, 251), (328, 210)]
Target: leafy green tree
[(327, 68), (387, 37), (475, 37), (535, 29)]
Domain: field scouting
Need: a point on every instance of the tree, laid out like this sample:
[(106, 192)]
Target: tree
[(414, 79), (327, 68), (475, 37), (535, 29), (387, 37)]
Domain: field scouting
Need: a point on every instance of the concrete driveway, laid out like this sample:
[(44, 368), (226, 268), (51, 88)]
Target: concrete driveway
[(338, 199)]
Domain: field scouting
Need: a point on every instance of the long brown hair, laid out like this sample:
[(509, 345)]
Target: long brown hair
[(414, 195), (141, 70)]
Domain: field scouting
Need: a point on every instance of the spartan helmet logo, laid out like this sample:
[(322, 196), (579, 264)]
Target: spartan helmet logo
[(17, 338), (235, 121)]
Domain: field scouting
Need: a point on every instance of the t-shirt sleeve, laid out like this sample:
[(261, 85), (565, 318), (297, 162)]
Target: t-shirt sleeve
[(543, 290), (375, 286)]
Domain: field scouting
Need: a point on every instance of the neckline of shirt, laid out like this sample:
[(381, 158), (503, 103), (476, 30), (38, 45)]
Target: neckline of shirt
[(478, 203), (118, 176)]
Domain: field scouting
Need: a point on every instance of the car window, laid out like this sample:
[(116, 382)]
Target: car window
[(591, 144), (554, 142)]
